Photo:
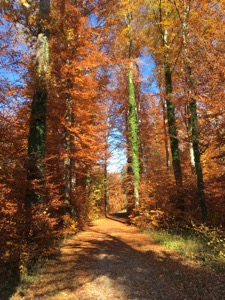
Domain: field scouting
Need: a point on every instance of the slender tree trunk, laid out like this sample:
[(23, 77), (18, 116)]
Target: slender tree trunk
[(193, 120), (129, 177), (165, 122), (69, 172), (172, 127), (133, 128), (37, 133), (192, 156), (106, 196), (129, 186), (197, 157), (171, 117), (68, 163), (80, 200), (105, 185), (139, 121)]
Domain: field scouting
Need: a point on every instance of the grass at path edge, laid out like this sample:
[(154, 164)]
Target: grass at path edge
[(209, 250)]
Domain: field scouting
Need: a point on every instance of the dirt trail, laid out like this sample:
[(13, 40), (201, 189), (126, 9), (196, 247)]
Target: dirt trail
[(112, 261)]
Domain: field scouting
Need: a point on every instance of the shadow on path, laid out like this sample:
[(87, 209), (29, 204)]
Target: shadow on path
[(114, 261), (121, 217)]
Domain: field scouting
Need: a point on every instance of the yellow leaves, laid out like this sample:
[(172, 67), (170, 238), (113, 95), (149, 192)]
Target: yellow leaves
[(6, 254), (125, 32), (165, 23), (156, 211), (25, 3), (149, 218), (10, 246), (155, 223), (213, 237), (69, 34), (222, 253)]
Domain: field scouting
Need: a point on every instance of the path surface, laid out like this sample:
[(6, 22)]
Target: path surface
[(113, 261)]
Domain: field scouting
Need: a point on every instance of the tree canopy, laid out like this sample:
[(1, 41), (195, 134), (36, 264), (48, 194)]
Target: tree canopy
[(82, 81)]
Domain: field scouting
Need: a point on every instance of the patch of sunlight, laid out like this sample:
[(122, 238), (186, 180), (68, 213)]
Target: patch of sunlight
[(189, 245)]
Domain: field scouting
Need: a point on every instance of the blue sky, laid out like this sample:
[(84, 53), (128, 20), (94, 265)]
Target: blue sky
[(146, 64)]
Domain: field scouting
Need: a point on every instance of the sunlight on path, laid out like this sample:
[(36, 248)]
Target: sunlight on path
[(112, 260)]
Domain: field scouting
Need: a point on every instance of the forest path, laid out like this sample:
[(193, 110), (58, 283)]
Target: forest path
[(111, 260)]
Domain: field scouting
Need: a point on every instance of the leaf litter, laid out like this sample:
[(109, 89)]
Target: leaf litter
[(111, 260)]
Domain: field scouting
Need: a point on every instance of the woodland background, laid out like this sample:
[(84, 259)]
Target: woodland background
[(82, 81)]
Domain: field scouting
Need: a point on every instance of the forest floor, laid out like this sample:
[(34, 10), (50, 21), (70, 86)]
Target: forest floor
[(112, 260)]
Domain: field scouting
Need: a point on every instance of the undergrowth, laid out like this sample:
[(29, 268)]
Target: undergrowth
[(19, 275), (201, 243), (29, 277)]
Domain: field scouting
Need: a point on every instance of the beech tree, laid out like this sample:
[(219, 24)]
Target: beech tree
[(132, 111), (192, 106), (122, 17), (172, 127), (75, 75), (81, 80), (37, 131)]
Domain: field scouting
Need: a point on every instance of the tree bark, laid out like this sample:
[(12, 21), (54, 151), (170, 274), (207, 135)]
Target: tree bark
[(172, 127), (197, 157), (134, 138), (80, 201), (133, 126), (193, 119), (105, 185), (171, 117), (165, 122), (37, 133)]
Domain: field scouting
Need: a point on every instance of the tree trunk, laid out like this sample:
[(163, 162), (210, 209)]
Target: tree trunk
[(192, 156), (139, 120), (37, 133), (69, 176), (165, 122), (172, 128), (133, 126), (80, 200), (106, 196), (134, 138), (193, 119), (171, 117), (105, 185), (129, 186), (198, 166)]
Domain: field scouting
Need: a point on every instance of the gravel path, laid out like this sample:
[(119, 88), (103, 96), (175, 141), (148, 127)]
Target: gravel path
[(112, 261)]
